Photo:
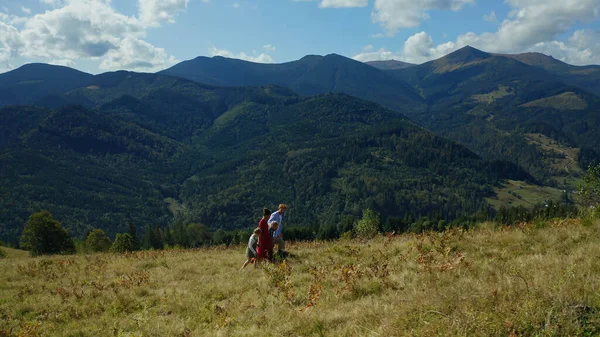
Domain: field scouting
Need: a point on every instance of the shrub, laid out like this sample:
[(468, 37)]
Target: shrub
[(123, 243), (44, 235), (97, 241), (2, 254), (368, 226)]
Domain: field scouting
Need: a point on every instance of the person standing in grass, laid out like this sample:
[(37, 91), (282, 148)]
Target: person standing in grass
[(278, 233), (265, 244), (251, 249)]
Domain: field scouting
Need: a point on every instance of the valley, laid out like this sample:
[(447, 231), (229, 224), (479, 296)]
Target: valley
[(209, 139)]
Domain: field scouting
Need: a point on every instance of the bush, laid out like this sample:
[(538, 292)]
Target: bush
[(2, 253), (123, 243), (44, 235), (97, 241), (368, 226)]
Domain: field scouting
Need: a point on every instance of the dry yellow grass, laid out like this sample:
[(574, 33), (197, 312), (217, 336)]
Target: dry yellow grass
[(520, 281)]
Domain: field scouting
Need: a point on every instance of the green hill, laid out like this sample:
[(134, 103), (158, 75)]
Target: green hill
[(32, 82), (310, 75), (224, 153), (490, 102)]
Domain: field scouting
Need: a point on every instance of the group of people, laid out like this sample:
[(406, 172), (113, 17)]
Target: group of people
[(264, 237)]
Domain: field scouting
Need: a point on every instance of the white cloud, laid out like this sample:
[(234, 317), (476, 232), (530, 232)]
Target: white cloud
[(12, 19), (490, 17), (393, 15), (418, 48), (53, 3), (66, 63), (343, 3), (10, 43), (86, 29), (138, 55), (535, 25), (235, 5), (154, 12), (532, 25), (269, 47), (81, 29), (26, 10), (378, 55), (262, 58)]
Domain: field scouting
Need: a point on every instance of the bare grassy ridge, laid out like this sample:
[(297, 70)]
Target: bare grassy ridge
[(517, 281)]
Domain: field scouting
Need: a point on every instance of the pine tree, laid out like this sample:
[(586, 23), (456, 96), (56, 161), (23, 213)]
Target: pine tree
[(133, 233)]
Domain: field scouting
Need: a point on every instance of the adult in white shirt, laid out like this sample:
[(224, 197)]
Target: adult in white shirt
[(278, 233)]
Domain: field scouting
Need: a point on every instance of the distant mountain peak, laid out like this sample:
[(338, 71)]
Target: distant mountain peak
[(466, 54)]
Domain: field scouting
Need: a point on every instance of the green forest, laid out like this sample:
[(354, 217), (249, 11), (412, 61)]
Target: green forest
[(123, 149), (227, 153)]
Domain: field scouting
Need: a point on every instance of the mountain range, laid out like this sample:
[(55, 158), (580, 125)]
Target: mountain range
[(213, 140)]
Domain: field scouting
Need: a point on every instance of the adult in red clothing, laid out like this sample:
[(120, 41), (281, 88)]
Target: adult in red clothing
[(265, 242)]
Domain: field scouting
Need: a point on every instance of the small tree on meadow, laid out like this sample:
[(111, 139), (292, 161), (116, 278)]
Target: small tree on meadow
[(368, 226), (44, 235), (123, 243), (97, 241)]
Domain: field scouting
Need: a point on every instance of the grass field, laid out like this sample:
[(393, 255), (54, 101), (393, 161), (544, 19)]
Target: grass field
[(515, 193), (519, 281)]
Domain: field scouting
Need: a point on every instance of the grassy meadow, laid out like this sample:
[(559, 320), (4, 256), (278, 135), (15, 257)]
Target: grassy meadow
[(527, 280)]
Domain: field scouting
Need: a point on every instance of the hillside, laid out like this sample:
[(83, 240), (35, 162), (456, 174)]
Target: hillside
[(310, 75), (32, 82), (490, 102), (223, 154), (585, 77), (512, 281), (484, 101)]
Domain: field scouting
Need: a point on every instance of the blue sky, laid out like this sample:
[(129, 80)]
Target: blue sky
[(150, 35)]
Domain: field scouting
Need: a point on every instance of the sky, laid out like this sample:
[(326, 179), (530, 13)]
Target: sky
[(150, 35)]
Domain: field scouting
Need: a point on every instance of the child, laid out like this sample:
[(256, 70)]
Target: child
[(251, 249), (273, 227)]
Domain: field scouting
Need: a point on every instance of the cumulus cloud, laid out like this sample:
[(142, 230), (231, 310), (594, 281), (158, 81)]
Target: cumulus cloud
[(81, 29), (10, 43), (26, 10), (138, 55), (154, 12), (418, 48), (532, 25), (262, 58), (536, 24), (269, 47), (393, 15), (91, 30), (343, 3)]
